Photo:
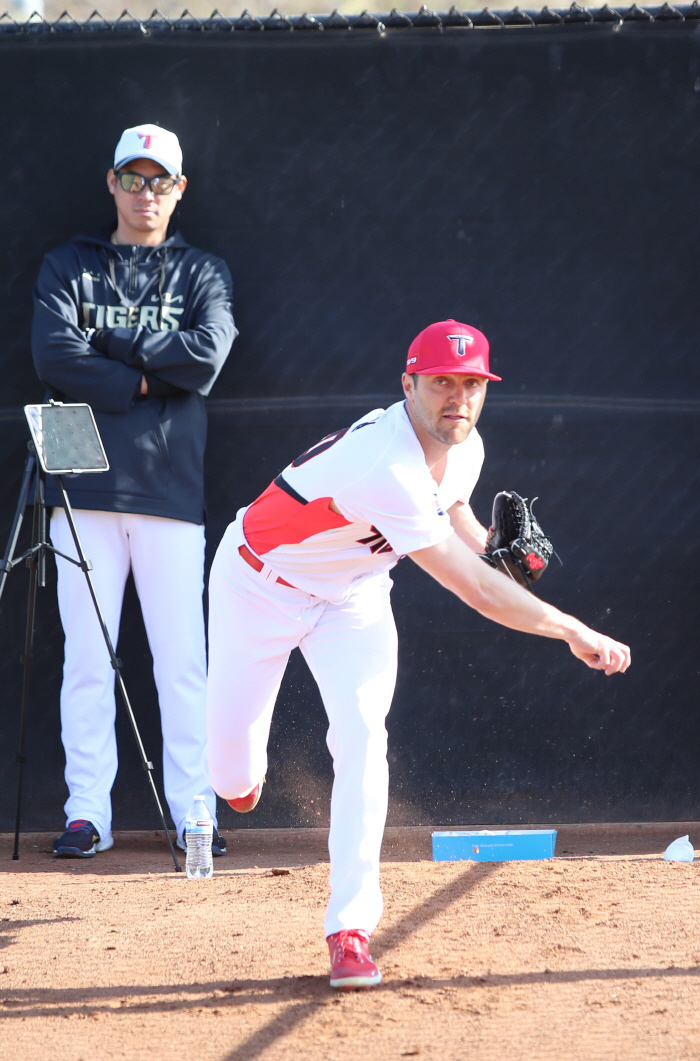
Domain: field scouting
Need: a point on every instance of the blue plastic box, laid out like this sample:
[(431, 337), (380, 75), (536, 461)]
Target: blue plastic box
[(490, 846)]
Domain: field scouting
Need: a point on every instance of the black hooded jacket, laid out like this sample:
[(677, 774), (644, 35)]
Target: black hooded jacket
[(167, 311)]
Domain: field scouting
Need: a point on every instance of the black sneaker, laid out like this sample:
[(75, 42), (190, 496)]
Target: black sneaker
[(218, 844), (81, 840)]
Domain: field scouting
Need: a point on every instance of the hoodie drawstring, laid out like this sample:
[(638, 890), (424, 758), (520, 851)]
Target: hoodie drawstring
[(163, 255)]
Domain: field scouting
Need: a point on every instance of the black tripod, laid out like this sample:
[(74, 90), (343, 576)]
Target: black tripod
[(35, 558)]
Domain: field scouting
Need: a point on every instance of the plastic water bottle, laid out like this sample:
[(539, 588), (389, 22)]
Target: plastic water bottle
[(199, 830)]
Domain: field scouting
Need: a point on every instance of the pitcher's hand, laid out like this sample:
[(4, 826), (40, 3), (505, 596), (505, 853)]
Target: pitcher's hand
[(600, 652)]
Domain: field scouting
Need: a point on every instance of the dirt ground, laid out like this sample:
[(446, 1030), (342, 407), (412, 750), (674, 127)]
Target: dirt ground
[(593, 955)]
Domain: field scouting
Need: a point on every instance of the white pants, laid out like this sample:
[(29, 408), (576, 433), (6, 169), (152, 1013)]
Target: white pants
[(351, 650), (167, 559)]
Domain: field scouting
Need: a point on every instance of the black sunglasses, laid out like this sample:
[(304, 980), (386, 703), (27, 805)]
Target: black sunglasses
[(162, 184)]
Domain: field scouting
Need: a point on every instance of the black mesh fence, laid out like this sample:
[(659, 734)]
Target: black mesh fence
[(534, 173)]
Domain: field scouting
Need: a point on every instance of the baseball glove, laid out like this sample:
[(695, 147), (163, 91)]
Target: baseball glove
[(516, 543)]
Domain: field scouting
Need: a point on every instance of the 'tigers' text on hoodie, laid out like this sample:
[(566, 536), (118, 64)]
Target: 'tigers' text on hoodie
[(156, 317)]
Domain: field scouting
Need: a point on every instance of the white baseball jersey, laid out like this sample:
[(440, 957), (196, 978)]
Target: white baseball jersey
[(390, 505)]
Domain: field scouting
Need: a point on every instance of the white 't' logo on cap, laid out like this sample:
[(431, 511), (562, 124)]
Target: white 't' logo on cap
[(461, 340)]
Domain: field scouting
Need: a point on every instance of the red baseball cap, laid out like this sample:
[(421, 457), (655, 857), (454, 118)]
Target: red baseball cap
[(449, 346)]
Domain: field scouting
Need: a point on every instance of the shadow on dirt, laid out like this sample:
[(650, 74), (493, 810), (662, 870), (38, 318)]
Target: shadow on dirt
[(7, 926), (436, 904), (305, 994)]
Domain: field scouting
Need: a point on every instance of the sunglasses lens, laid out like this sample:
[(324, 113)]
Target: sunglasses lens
[(162, 185), (131, 182)]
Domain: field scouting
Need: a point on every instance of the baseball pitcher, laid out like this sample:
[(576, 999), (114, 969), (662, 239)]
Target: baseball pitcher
[(307, 565)]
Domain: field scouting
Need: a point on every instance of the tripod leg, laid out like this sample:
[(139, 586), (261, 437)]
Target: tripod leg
[(34, 563), (6, 563), (41, 536), (116, 663)]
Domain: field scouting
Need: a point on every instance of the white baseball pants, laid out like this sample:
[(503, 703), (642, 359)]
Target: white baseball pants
[(167, 559), (351, 650)]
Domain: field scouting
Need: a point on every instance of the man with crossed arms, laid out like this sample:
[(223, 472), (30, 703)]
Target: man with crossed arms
[(136, 322), (307, 565)]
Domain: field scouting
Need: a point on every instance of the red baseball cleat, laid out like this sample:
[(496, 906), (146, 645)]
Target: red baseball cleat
[(351, 962), (249, 802)]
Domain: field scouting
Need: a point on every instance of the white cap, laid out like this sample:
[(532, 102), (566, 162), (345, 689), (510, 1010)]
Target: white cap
[(150, 141)]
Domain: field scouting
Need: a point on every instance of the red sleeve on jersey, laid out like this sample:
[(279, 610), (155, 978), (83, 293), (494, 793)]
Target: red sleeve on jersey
[(275, 519)]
